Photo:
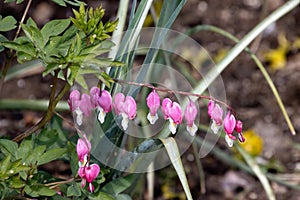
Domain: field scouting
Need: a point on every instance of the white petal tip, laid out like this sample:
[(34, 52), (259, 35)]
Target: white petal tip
[(172, 127), (229, 141), (152, 119), (214, 127), (192, 129), (101, 116)]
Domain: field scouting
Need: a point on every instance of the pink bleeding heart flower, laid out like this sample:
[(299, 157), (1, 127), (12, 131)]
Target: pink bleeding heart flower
[(91, 173), (81, 173), (229, 126), (172, 111), (102, 101), (190, 114), (126, 107), (165, 107), (153, 103), (79, 106), (83, 149), (74, 100), (215, 112), (239, 129)]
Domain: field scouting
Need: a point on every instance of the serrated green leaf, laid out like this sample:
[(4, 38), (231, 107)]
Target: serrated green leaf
[(7, 23), (8, 147), (35, 154), (54, 28), (27, 48), (60, 2), (51, 155), (24, 57), (31, 22), (24, 149), (35, 36), (4, 164), (81, 81), (38, 191), (74, 190), (73, 70), (16, 183), (118, 185)]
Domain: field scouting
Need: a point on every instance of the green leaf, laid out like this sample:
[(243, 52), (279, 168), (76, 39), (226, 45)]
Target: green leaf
[(73, 158), (2, 39), (102, 196), (72, 74), (24, 149), (35, 36), (123, 197), (81, 81), (74, 190), (54, 28), (4, 164), (7, 23), (118, 185), (39, 190), (16, 183), (174, 155), (74, 2), (60, 2), (35, 154), (25, 47), (8, 147), (51, 155)]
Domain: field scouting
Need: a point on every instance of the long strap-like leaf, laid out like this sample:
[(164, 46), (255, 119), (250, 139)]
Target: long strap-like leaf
[(174, 155)]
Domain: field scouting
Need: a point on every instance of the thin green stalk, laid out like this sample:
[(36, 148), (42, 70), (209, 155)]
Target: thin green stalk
[(200, 168), (257, 62), (258, 172), (237, 49)]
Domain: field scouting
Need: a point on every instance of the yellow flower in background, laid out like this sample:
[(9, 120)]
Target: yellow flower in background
[(157, 5), (169, 194), (254, 144), (277, 57)]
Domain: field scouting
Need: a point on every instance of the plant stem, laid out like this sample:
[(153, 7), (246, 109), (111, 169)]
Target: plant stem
[(172, 91), (51, 108)]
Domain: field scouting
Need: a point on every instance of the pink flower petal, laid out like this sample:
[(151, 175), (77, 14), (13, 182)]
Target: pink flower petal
[(153, 102), (91, 172)]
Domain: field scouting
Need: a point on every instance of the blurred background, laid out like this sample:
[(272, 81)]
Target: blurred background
[(268, 138)]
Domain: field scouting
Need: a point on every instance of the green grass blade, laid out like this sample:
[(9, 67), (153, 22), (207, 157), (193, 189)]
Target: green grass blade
[(173, 152), (258, 172)]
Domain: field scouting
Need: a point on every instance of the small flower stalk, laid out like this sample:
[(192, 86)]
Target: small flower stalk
[(125, 107), (87, 173), (153, 103), (190, 114), (172, 112)]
